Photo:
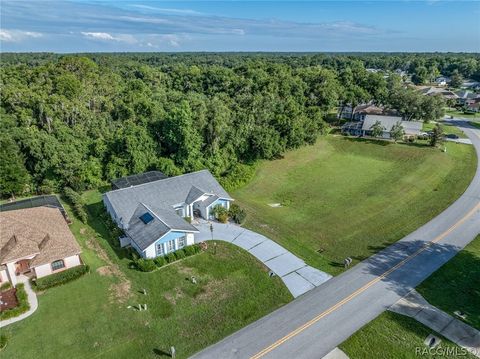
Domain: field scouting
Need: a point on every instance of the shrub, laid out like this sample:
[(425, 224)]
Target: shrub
[(22, 307), (170, 257), (189, 250), (77, 202), (220, 213), (5, 286), (180, 254), (159, 261), (60, 278), (145, 265), (237, 213), (238, 176)]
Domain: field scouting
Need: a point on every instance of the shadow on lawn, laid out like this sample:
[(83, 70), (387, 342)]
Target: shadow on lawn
[(161, 353), (97, 218)]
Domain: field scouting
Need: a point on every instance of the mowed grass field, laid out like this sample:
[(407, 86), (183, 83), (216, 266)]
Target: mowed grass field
[(396, 336), (90, 318), (456, 285), (351, 197)]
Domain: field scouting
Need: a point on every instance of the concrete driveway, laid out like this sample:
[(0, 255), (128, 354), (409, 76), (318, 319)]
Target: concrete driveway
[(294, 272)]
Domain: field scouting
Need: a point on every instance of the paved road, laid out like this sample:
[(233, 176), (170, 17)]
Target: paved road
[(294, 272), (316, 322)]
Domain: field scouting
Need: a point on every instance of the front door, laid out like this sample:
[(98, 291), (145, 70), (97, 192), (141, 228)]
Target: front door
[(22, 266)]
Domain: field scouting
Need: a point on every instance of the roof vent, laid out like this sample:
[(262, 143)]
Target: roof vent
[(146, 218)]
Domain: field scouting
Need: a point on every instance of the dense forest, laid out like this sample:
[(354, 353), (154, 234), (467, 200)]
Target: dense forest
[(82, 120)]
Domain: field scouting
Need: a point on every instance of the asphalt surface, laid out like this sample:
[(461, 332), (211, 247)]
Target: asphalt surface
[(318, 321)]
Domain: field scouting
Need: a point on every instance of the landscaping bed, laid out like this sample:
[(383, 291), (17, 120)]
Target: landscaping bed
[(21, 306), (8, 299)]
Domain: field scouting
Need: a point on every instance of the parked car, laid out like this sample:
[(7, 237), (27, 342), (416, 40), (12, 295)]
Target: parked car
[(451, 135)]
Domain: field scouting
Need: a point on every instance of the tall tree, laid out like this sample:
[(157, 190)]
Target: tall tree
[(14, 177)]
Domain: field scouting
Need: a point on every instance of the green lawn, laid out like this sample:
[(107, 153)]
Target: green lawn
[(447, 129), (461, 114), (393, 335), (350, 197), (475, 124), (456, 285), (89, 318)]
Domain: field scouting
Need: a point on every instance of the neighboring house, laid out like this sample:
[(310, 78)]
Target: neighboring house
[(435, 91), (464, 97), (35, 242), (360, 111), (154, 215), (442, 81), (412, 128), (473, 105), (470, 84)]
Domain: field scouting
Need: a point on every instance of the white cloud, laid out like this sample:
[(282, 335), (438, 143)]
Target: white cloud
[(168, 10), (17, 35), (105, 36)]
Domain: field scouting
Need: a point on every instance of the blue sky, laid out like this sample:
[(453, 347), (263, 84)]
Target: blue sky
[(91, 26)]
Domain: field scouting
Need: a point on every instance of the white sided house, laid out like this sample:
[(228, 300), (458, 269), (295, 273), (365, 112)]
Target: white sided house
[(156, 215), (35, 242)]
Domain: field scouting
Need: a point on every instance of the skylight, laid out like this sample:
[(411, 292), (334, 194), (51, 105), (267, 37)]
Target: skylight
[(146, 218)]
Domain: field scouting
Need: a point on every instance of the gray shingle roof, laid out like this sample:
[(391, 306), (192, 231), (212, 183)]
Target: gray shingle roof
[(410, 127), (163, 193), (145, 234), (163, 221), (194, 194)]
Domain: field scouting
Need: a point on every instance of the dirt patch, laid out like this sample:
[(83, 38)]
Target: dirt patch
[(83, 230), (121, 291), (105, 270), (118, 291), (173, 297), (215, 290)]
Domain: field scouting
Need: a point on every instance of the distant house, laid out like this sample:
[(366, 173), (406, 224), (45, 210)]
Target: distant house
[(435, 91), (473, 105), (364, 128), (442, 81), (464, 96), (35, 242), (470, 84), (153, 215), (360, 111)]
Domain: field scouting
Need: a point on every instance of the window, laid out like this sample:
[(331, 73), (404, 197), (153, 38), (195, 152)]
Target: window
[(171, 245), (160, 251), (58, 265), (179, 211), (182, 241)]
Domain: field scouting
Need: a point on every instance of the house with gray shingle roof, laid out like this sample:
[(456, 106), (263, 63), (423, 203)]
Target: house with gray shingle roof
[(155, 216)]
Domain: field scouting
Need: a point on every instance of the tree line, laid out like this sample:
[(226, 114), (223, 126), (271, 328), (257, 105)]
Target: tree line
[(81, 120)]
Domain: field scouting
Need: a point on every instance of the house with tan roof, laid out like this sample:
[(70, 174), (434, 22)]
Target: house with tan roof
[(35, 242)]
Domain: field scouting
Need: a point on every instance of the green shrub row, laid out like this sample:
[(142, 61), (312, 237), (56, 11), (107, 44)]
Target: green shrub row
[(237, 214), (60, 278), (22, 306), (238, 177), (77, 203), (148, 265)]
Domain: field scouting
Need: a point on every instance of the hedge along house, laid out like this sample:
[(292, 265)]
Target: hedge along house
[(35, 242), (155, 216)]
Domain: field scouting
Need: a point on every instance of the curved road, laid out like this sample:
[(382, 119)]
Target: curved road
[(318, 321)]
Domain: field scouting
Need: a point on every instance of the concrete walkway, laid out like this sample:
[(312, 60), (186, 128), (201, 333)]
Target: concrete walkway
[(294, 272), (465, 141), (32, 300), (415, 306)]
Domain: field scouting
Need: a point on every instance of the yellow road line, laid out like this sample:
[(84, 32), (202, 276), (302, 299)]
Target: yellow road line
[(362, 289)]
